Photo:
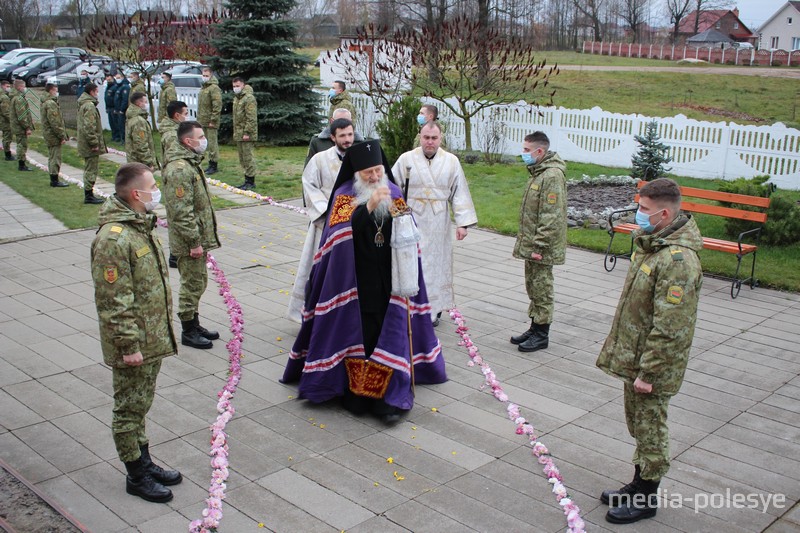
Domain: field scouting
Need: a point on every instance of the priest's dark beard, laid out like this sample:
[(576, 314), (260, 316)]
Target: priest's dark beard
[(364, 191)]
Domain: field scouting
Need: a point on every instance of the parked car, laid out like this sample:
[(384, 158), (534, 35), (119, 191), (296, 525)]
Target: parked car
[(186, 81), (174, 66), (742, 46), (12, 56), (71, 51), (44, 77), (6, 45), (68, 81), (7, 69), (41, 64)]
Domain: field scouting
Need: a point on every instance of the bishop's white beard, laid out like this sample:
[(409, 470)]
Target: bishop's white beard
[(364, 190)]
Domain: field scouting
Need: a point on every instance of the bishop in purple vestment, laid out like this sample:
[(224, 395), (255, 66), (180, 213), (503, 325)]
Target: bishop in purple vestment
[(354, 342)]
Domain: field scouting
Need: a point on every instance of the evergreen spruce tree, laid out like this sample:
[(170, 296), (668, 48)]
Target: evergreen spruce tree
[(255, 43), (649, 161)]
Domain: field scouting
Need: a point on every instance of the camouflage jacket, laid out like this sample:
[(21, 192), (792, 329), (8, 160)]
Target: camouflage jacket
[(5, 111), (138, 87), (131, 286), (168, 94), (543, 214), (342, 101), (653, 327), (191, 218), (209, 104), (245, 115), (169, 134), (139, 137), (21, 118), (53, 128), (90, 128)]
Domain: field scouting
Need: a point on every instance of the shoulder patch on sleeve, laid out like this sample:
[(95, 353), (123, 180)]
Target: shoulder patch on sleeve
[(552, 198), (110, 273), (116, 229), (180, 192), (675, 294), (676, 253)]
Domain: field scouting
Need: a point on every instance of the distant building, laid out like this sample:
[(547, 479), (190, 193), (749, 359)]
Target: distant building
[(725, 21), (782, 29)]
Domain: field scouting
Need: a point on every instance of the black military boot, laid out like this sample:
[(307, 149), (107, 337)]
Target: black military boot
[(212, 168), (10, 157), (437, 319), (538, 341), (173, 261), (641, 504), (90, 198), (140, 483), (210, 335), (249, 183), (23, 167), (191, 336), (165, 477), (54, 182), (519, 339), (628, 489)]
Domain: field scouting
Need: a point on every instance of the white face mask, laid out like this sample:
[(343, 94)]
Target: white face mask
[(206, 78), (201, 149), (237, 90), (155, 199)]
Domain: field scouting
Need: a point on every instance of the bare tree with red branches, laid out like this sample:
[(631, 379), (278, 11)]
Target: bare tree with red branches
[(474, 67), (147, 42)]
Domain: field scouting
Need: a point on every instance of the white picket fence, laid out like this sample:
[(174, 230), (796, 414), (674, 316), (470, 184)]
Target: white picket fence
[(699, 149)]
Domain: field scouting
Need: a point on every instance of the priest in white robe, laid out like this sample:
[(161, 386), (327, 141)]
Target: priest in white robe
[(436, 185), (318, 179)]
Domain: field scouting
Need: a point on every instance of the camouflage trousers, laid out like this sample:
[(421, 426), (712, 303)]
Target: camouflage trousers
[(90, 169), (212, 152), (8, 138), (646, 416), (54, 159), (134, 389), (539, 284), (194, 280), (245, 149), (22, 146)]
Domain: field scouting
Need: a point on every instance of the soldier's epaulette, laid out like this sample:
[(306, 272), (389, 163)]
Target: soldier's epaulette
[(115, 232), (677, 253)]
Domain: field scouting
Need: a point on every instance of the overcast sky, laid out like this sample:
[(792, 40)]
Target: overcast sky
[(755, 12)]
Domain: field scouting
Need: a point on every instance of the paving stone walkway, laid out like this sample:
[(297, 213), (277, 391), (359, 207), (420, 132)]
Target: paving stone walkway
[(735, 426)]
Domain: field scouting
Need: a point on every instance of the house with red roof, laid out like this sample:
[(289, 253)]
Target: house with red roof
[(782, 29), (725, 21)]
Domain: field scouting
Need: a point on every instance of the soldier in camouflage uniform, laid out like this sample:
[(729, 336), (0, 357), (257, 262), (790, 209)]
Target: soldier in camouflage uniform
[(168, 94), (340, 99), (54, 132), (648, 346), (5, 118), (21, 122), (192, 227), (90, 140), (430, 113), (137, 84), (209, 111), (134, 308), (245, 130), (139, 146), (176, 113), (542, 236)]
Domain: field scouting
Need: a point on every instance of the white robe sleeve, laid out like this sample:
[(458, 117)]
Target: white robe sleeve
[(316, 200), (460, 198)]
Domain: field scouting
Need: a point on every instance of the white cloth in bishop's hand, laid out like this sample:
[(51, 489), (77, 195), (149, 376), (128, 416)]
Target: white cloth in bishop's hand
[(405, 263), (319, 177), (435, 187)]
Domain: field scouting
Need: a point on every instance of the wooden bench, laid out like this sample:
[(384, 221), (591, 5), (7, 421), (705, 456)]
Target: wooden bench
[(738, 248)]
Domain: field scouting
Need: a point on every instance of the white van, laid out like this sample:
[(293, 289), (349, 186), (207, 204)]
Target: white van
[(19, 52), (6, 45)]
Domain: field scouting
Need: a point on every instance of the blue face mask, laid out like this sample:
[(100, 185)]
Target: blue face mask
[(643, 221), (331, 93), (118, 80), (161, 81), (421, 120), (527, 158)]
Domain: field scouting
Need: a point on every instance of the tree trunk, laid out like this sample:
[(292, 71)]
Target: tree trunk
[(483, 29)]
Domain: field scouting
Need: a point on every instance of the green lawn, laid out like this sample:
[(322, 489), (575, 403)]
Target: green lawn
[(497, 190)]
